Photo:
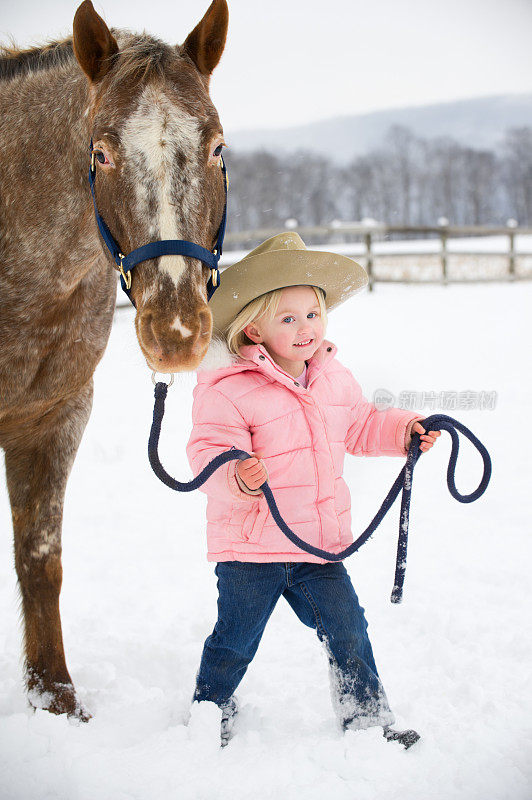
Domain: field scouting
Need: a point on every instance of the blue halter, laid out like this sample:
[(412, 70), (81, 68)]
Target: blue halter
[(165, 247)]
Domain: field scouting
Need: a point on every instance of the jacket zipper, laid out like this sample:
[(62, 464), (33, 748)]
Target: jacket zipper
[(282, 372), (333, 478), (317, 478)]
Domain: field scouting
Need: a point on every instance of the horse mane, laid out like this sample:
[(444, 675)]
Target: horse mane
[(140, 55), (14, 61)]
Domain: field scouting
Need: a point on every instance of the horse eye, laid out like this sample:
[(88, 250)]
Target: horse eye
[(218, 150), (101, 156)]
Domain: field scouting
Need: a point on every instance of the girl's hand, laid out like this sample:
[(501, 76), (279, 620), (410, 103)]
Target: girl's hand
[(427, 439), (251, 472)]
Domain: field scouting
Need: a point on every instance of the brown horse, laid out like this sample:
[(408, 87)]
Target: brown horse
[(157, 139)]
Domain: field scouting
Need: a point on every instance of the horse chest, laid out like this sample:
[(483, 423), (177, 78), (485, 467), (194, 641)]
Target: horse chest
[(41, 364)]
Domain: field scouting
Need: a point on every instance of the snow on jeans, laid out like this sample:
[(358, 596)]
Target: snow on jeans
[(323, 598)]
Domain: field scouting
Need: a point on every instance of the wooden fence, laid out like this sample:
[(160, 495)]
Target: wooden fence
[(351, 237), (365, 243)]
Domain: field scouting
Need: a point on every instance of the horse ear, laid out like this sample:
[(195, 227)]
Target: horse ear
[(93, 42), (206, 43)]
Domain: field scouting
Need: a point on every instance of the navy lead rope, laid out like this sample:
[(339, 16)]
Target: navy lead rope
[(436, 422)]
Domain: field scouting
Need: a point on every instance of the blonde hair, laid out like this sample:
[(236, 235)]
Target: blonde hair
[(263, 305)]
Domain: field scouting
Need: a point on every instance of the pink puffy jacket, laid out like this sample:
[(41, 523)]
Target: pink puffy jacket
[(301, 435)]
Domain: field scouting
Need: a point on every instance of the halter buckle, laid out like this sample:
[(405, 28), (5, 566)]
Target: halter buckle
[(214, 277), (126, 275)]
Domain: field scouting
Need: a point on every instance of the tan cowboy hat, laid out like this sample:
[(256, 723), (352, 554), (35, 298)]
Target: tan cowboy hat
[(281, 261)]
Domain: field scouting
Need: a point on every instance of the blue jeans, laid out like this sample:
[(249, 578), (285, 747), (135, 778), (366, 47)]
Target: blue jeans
[(323, 598)]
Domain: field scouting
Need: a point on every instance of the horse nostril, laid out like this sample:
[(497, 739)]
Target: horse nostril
[(151, 330), (204, 331), (205, 323), (149, 335)]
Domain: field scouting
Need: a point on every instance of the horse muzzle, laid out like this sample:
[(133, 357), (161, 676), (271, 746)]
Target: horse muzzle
[(174, 347)]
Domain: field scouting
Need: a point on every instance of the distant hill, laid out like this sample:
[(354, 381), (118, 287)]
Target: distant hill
[(479, 122)]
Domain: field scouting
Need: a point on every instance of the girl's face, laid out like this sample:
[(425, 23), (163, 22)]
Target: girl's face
[(295, 332)]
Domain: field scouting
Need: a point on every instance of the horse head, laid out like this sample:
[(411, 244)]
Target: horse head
[(157, 141)]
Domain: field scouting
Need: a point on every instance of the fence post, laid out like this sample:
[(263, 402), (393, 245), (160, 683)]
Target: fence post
[(369, 261), (511, 257), (443, 235)]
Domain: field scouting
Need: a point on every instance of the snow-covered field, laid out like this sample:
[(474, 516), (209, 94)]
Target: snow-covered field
[(139, 597)]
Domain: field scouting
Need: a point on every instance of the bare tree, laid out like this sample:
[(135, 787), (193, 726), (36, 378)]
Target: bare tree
[(517, 173), (403, 148), (408, 180)]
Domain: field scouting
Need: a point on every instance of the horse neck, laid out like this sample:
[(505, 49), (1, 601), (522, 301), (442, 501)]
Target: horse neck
[(45, 195)]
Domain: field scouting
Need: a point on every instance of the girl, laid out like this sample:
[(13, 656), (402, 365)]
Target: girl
[(284, 398)]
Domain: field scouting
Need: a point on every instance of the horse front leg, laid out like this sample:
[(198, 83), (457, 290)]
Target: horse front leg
[(38, 464)]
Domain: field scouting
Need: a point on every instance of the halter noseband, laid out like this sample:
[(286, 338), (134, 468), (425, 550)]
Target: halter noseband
[(164, 247)]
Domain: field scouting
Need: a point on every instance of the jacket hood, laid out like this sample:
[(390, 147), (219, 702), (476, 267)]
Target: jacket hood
[(219, 362)]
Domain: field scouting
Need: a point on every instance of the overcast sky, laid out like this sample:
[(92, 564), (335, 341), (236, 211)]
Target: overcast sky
[(293, 61)]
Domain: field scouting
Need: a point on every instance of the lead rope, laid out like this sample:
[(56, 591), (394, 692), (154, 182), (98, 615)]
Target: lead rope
[(436, 422)]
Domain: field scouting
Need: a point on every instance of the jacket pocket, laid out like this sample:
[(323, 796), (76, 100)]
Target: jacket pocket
[(253, 522), (248, 520)]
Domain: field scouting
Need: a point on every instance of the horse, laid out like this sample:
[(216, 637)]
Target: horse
[(157, 141)]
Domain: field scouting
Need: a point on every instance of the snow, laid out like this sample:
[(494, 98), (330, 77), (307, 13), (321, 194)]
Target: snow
[(139, 597)]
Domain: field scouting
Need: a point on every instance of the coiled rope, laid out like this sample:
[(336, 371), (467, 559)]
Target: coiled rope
[(436, 422)]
